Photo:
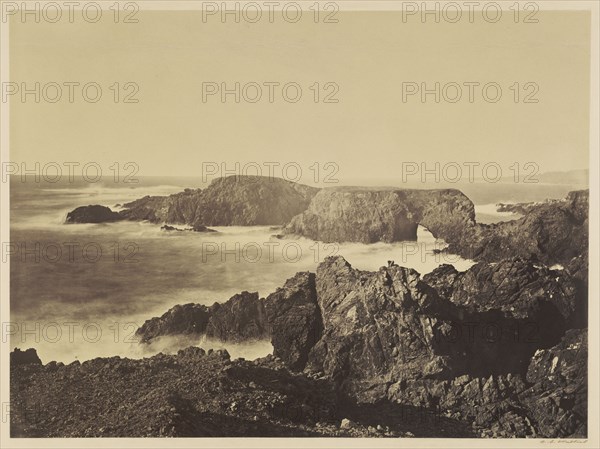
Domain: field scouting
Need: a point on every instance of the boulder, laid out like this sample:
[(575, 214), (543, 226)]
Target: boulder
[(92, 214)]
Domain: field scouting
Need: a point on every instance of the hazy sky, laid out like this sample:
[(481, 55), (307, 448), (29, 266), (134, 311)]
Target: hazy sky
[(369, 132)]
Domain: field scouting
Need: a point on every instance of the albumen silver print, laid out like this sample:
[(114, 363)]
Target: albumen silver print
[(299, 223)]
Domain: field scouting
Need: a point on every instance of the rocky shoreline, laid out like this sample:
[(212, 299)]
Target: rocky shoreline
[(499, 350)]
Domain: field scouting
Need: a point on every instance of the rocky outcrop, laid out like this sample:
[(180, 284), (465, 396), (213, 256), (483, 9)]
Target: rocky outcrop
[(516, 288), (549, 401), (352, 214), (553, 232), (27, 357), (557, 400), (294, 319), (234, 200), (366, 329), (373, 330), (241, 318), (186, 319), (391, 324), (92, 214)]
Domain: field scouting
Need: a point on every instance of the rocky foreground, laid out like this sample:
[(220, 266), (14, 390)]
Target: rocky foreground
[(499, 350)]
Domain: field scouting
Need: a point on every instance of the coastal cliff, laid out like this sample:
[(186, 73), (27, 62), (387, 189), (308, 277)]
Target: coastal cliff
[(354, 214)]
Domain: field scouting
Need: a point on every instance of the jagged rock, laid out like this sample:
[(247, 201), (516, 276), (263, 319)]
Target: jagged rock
[(241, 318), (170, 228), (294, 319), (352, 214), (552, 232), (504, 313), (27, 357), (180, 320), (390, 325), (347, 424), (519, 288), (376, 327), (557, 401), (550, 402), (92, 214)]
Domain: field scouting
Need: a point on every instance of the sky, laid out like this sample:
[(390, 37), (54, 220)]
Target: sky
[(367, 61)]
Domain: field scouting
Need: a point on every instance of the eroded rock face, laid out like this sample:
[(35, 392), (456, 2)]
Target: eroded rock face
[(183, 319), (552, 232), (92, 214), (516, 287), (557, 401), (352, 214), (294, 319), (234, 200), (375, 327), (240, 319), (549, 401), (390, 325)]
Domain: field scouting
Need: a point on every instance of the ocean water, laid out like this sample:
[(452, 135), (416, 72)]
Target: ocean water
[(80, 291)]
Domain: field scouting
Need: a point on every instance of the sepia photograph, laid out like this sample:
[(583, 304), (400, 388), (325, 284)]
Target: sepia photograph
[(299, 224)]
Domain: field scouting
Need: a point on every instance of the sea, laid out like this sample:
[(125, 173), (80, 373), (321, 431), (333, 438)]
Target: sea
[(79, 291)]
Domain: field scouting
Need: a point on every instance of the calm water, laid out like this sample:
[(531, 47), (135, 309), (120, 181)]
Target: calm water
[(93, 285)]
